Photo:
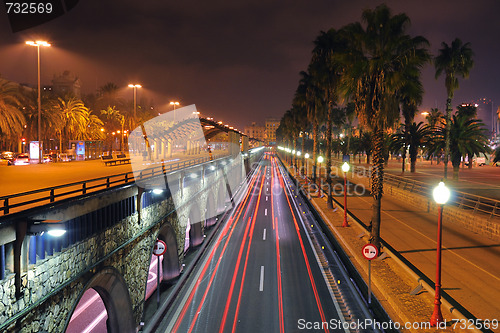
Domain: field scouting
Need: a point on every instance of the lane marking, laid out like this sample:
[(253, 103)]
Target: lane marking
[(264, 236), (265, 212), (266, 197), (261, 285)]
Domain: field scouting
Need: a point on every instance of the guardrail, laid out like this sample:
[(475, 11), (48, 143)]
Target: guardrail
[(475, 203), (19, 201)]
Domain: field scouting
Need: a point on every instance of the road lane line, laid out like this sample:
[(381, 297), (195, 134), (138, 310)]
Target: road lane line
[(265, 212), (233, 281), (264, 236), (261, 285)]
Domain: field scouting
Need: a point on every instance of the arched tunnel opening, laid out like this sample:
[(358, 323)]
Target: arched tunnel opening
[(104, 305)]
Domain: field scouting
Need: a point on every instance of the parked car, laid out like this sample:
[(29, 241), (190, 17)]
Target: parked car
[(64, 157), (21, 159), (47, 158), (6, 157)]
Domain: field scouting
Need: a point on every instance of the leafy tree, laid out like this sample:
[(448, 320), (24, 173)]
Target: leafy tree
[(11, 117), (453, 61), (73, 119), (467, 136), (414, 137), (379, 55)]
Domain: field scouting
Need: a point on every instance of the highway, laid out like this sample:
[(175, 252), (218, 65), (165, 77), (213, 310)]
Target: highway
[(260, 274)]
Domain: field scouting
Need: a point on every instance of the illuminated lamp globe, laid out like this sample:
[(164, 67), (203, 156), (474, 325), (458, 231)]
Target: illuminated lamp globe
[(306, 155), (320, 159), (345, 167), (441, 194)]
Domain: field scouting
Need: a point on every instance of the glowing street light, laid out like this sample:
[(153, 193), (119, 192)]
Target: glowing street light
[(345, 169), (441, 195), (135, 86), (37, 44), (174, 104)]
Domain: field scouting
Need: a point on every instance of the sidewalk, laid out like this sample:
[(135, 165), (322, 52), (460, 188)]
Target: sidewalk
[(392, 283)]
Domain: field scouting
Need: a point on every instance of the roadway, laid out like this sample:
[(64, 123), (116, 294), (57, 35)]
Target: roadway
[(470, 269), (260, 273)]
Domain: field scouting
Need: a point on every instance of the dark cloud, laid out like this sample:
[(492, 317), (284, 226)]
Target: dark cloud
[(238, 61)]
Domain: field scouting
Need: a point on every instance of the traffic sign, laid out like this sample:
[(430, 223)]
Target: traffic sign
[(160, 248), (370, 251)]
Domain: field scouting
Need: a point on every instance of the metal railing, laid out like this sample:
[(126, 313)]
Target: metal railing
[(19, 201), (471, 202)]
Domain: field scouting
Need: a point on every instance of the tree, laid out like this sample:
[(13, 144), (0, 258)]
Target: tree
[(378, 57), (326, 69), (434, 117), (467, 137), (414, 136), (73, 119), (11, 117), (453, 61), (112, 119), (315, 110)]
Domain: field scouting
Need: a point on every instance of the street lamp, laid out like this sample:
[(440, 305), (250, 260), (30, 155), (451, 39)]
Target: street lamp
[(345, 168), (174, 104), (441, 195), (37, 44), (135, 86), (320, 160)]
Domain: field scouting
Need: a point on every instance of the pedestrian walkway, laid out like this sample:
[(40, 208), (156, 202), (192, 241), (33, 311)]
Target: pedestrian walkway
[(468, 274)]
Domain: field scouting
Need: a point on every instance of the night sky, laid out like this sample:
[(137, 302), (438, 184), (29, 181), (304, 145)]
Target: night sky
[(238, 61)]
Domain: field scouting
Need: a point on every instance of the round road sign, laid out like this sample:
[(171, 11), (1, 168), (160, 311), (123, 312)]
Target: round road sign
[(370, 251), (160, 248)]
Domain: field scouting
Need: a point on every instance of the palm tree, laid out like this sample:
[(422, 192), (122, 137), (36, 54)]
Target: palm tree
[(453, 61), (434, 117), (379, 56), (112, 119), (73, 119), (414, 137), (11, 118), (300, 114), (315, 110), (467, 137), (326, 70)]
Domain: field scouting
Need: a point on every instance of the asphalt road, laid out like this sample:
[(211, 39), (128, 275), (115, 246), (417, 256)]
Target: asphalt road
[(260, 273), (470, 262)]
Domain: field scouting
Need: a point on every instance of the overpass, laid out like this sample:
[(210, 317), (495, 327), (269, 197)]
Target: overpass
[(111, 227)]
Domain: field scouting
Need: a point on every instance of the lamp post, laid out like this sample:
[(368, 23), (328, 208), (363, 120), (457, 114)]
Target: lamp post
[(320, 160), (37, 44), (135, 86), (306, 156), (345, 169), (441, 195), (174, 104)]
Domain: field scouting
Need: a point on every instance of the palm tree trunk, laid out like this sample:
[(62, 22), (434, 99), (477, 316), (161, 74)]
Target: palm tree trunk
[(329, 201), (470, 157), (377, 183), (447, 142), (303, 168), (315, 149)]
